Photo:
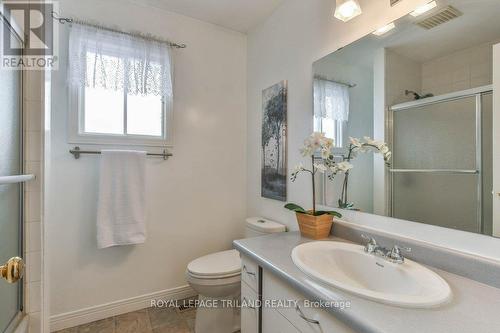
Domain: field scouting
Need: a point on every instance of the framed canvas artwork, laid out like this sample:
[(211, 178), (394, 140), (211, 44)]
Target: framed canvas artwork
[(274, 142)]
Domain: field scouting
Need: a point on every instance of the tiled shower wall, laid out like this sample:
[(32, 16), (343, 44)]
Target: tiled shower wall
[(33, 161), (461, 70), (465, 69)]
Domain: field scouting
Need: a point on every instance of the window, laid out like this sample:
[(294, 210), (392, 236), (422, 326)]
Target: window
[(331, 109), (107, 111), (121, 91), (333, 129)]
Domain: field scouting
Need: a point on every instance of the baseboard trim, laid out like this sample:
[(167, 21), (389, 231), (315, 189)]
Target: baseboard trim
[(98, 312)]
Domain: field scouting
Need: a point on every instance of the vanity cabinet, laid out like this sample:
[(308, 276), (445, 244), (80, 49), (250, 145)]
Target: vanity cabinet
[(273, 321), (304, 319), (250, 310), (250, 273), (273, 306)]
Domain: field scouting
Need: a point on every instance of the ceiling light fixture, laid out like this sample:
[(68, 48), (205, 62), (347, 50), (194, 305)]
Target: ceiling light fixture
[(423, 9), (347, 10), (385, 29)]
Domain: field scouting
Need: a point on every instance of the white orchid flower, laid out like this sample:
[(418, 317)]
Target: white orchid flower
[(384, 149), (344, 166), (298, 168), (355, 142), (328, 143), (369, 140), (321, 168), (325, 153), (316, 140), (307, 151)]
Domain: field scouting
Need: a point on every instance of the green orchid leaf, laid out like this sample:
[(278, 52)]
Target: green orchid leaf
[(329, 212), (295, 208)]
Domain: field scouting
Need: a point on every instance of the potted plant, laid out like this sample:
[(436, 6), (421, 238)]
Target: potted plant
[(317, 224)]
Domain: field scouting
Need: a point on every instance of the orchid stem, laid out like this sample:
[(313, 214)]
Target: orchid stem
[(313, 187)]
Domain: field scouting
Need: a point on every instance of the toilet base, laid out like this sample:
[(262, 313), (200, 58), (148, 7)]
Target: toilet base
[(214, 316)]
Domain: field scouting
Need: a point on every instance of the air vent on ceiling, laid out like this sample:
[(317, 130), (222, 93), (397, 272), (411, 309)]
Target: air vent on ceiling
[(444, 15)]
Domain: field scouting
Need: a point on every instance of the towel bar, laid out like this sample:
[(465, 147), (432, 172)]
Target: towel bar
[(77, 151), (15, 179)]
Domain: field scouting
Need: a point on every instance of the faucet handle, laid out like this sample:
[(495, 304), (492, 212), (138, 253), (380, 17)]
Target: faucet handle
[(404, 248), (395, 255), (372, 245)]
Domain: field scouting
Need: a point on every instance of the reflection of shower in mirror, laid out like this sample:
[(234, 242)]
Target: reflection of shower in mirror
[(416, 95)]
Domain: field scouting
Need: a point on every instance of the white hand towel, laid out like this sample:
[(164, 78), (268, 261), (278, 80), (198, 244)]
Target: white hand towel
[(121, 207)]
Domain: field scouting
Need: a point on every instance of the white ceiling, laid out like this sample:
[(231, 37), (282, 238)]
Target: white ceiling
[(239, 15)]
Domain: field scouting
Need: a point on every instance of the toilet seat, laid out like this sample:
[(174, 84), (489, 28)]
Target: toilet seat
[(220, 265)]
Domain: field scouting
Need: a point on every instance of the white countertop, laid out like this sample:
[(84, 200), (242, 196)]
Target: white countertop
[(474, 308)]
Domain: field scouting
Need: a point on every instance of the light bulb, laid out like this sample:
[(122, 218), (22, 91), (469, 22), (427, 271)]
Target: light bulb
[(347, 10)]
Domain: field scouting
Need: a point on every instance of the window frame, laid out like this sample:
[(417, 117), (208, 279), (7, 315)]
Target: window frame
[(340, 130), (76, 118)]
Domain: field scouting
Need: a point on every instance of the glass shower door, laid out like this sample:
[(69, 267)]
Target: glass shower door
[(11, 193), (437, 165)]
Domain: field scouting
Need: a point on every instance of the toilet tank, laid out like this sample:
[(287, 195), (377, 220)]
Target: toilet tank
[(258, 226)]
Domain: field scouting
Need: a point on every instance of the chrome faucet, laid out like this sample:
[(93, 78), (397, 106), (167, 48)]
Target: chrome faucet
[(394, 255), (372, 247)]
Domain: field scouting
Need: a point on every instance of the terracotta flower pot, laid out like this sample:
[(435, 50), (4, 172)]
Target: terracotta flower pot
[(315, 227)]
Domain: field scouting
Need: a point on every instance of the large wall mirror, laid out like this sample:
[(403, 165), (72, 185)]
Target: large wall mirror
[(424, 85)]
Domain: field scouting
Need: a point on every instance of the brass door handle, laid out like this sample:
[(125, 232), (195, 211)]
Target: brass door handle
[(13, 270)]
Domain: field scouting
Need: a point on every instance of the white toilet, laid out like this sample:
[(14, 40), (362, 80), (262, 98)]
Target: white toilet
[(217, 279)]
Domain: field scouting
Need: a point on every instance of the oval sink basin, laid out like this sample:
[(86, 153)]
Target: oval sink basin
[(350, 268)]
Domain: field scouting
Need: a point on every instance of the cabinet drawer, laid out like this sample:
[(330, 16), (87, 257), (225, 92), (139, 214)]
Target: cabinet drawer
[(249, 310), (250, 273), (274, 322), (307, 320)]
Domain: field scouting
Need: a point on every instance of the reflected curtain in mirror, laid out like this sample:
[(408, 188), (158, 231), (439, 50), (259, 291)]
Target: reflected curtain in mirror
[(331, 108)]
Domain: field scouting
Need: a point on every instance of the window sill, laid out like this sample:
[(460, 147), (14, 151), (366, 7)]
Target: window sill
[(105, 140)]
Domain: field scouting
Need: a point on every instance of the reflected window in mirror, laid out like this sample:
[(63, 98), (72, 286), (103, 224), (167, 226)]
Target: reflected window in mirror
[(331, 109)]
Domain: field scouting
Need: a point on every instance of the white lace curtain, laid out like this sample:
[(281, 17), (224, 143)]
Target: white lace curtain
[(331, 100), (101, 58)]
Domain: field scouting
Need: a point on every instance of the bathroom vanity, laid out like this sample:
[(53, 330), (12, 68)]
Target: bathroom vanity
[(427, 90), (279, 297), (271, 305)]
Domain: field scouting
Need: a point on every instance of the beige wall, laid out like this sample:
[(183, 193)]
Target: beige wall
[(196, 199)]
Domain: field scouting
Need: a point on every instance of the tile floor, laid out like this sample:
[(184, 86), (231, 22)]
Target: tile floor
[(152, 320)]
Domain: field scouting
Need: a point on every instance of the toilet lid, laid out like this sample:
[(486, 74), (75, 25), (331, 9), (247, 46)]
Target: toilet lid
[(216, 264)]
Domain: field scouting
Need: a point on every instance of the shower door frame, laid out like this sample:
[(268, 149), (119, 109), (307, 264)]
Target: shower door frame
[(478, 93), (15, 31)]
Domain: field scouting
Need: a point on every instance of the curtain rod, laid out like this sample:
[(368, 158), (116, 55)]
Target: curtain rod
[(350, 85), (63, 20)]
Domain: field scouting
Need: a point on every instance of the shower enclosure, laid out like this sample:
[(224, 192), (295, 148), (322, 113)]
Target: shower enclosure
[(442, 164), (11, 189)]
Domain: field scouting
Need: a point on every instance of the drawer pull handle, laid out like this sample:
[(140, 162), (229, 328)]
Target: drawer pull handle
[(248, 272), (245, 300), (301, 315)]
